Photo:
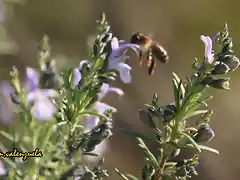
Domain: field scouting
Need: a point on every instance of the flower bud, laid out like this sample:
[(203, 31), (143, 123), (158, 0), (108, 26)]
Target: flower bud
[(107, 37), (146, 118), (220, 83), (106, 29), (232, 63), (167, 114), (220, 69), (207, 80), (155, 99), (49, 66), (204, 133), (14, 97), (227, 45), (191, 170), (95, 47), (97, 135)]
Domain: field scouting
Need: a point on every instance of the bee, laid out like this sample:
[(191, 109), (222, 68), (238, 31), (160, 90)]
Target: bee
[(152, 49)]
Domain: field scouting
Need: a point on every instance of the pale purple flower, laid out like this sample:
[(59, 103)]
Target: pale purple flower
[(90, 123), (6, 108), (32, 79), (105, 88), (43, 107), (209, 55), (115, 59), (3, 170), (77, 76), (99, 107), (93, 121), (208, 48)]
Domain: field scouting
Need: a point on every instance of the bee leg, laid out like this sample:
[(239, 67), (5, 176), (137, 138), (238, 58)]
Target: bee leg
[(140, 58), (149, 60), (151, 67)]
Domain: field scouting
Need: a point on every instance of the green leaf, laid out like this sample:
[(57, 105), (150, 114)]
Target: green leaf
[(192, 141), (188, 101), (208, 149), (205, 148), (89, 113), (7, 136), (136, 134), (195, 113), (90, 154), (10, 162), (176, 93), (131, 177), (148, 153), (180, 84), (175, 76), (120, 174)]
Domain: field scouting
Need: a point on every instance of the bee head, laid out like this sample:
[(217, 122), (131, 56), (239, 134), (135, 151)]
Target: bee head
[(136, 38)]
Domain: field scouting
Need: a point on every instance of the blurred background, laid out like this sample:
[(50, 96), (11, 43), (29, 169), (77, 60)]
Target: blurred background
[(177, 25)]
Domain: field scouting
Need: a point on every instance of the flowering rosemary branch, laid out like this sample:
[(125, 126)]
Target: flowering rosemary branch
[(170, 122), (61, 118)]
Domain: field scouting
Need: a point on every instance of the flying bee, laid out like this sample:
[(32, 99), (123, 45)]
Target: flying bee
[(152, 49)]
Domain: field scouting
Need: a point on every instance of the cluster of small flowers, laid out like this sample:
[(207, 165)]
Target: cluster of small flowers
[(42, 88)]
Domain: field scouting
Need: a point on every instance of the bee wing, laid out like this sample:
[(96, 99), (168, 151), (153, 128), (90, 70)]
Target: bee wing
[(150, 35)]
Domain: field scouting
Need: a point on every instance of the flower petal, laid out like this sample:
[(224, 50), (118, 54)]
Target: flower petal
[(76, 76), (135, 47), (102, 107), (90, 123), (121, 42), (50, 93), (6, 108), (32, 79), (31, 97), (118, 91), (6, 88), (215, 36), (114, 43), (3, 170), (103, 91), (43, 110), (208, 48), (124, 72), (113, 61)]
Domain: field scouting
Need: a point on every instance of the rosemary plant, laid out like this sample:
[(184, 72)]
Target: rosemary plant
[(170, 122), (60, 118)]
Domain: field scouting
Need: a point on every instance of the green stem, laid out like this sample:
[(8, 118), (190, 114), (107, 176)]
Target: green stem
[(175, 132), (49, 132)]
